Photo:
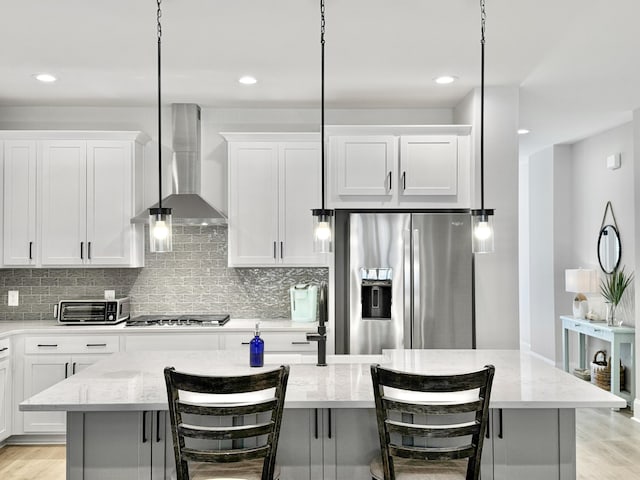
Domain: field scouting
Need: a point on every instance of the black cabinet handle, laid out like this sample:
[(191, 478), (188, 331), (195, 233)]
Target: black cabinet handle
[(275, 250), (144, 426), (47, 344), (89, 250), (30, 250), (390, 185), (66, 370), (281, 249), (82, 250), (4, 349), (96, 344), (158, 426), (487, 431), (73, 368), (300, 343), (316, 428), (404, 180), (500, 423), (329, 423), (245, 343)]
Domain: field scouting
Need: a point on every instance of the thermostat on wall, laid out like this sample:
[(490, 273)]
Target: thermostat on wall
[(613, 161)]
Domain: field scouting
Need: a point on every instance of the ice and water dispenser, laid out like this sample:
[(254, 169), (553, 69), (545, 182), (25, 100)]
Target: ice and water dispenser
[(376, 293)]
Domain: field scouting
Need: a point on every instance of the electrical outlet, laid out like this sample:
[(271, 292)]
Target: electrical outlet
[(13, 299), (109, 294)]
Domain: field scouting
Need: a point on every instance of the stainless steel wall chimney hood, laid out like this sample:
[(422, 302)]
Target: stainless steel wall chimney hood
[(188, 207)]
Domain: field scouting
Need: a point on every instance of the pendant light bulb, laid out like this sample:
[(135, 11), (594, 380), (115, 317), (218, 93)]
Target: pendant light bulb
[(160, 232), (482, 228)]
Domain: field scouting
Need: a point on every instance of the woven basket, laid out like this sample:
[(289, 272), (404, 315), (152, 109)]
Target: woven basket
[(601, 372)]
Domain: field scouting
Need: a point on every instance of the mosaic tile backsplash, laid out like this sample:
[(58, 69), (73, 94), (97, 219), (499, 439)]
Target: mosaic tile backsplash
[(194, 278)]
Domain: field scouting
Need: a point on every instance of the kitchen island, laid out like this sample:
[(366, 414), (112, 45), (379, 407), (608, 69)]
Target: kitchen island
[(117, 422)]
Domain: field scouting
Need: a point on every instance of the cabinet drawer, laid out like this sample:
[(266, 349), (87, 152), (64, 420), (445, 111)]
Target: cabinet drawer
[(273, 341), (168, 341), (4, 349), (80, 344)]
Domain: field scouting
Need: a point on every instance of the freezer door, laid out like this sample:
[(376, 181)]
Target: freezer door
[(376, 281), (442, 280)]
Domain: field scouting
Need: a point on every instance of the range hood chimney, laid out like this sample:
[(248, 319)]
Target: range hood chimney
[(188, 207)]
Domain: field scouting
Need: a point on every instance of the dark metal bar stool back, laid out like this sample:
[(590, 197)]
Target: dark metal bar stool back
[(429, 424), (212, 435)]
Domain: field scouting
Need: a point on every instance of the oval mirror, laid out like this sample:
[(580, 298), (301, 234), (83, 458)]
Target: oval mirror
[(609, 249)]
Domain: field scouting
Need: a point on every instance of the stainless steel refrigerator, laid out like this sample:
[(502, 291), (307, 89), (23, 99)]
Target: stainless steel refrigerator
[(406, 282)]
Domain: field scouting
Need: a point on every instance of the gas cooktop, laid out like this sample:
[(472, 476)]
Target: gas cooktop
[(178, 321)]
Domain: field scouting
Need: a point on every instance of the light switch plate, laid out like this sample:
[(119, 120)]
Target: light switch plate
[(13, 299), (613, 161)]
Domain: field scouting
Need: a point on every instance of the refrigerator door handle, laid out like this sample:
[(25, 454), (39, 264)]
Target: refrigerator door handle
[(408, 290), (416, 311)]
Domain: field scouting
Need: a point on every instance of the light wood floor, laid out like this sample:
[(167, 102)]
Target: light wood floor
[(608, 448)]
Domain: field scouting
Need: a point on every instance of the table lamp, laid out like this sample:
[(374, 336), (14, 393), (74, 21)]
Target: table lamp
[(580, 281)]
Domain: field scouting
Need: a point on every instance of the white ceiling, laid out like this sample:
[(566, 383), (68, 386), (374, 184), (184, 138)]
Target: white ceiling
[(575, 60)]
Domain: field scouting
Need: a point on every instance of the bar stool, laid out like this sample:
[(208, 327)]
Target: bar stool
[(429, 424), (233, 438)]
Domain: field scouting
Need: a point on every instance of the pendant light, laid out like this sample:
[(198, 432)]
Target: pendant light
[(160, 231), (323, 224), (482, 219)]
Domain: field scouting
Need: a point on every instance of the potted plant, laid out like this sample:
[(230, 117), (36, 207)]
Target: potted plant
[(612, 288)]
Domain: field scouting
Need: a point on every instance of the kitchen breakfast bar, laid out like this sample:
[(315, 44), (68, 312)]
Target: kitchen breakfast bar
[(117, 412)]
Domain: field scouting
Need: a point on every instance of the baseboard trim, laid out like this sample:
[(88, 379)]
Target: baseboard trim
[(36, 439), (636, 410), (541, 357)]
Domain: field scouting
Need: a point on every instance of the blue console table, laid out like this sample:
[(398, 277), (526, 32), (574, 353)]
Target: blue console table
[(616, 336)]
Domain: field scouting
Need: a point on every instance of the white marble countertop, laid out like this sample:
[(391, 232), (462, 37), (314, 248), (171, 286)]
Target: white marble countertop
[(8, 328), (134, 381)]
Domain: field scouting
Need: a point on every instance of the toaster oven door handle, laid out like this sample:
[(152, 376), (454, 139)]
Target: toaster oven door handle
[(55, 311)]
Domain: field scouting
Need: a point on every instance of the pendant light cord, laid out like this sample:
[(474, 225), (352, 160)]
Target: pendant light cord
[(159, 15), (322, 25), (482, 41)]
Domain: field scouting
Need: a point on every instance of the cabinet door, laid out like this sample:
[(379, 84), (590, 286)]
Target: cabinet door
[(41, 372), (5, 398), (363, 165), (429, 165), (526, 444), (124, 439), (109, 202), (299, 193), (80, 362), (19, 202), (295, 448), (63, 202), (253, 204)]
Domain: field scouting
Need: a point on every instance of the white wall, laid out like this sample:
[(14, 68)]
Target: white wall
[(636, 231), (497, 273)]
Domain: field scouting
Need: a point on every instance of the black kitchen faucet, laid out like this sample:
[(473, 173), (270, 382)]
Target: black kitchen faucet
[(321, 335)]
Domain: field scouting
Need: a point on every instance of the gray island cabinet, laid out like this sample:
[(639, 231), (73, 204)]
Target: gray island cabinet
[(117, 412)]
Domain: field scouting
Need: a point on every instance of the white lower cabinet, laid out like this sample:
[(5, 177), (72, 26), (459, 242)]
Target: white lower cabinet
[(274, 342), (123, 445), (177, 341), (49, 360), (5, 390)]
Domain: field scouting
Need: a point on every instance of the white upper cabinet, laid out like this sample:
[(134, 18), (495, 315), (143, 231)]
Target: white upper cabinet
[(80, 198), (429, 165), (363, 165), (19, 190), (274, 183), (63, 192), (399, 166)]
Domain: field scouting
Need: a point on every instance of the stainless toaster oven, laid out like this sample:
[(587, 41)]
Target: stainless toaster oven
[(92, 312)]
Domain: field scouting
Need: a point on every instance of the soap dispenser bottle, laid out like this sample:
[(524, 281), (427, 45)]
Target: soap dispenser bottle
[(256, 349)]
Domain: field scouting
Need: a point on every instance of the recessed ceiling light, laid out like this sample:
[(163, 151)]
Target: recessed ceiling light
[(248, 80), (445, 79), (45, 77), (522, 131)]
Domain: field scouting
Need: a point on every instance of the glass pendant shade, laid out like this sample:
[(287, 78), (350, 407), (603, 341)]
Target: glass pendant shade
[(160, 230), (322, 231), (482, 228)]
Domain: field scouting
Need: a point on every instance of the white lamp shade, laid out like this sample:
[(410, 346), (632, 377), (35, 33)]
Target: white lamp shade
[(581, 280)]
